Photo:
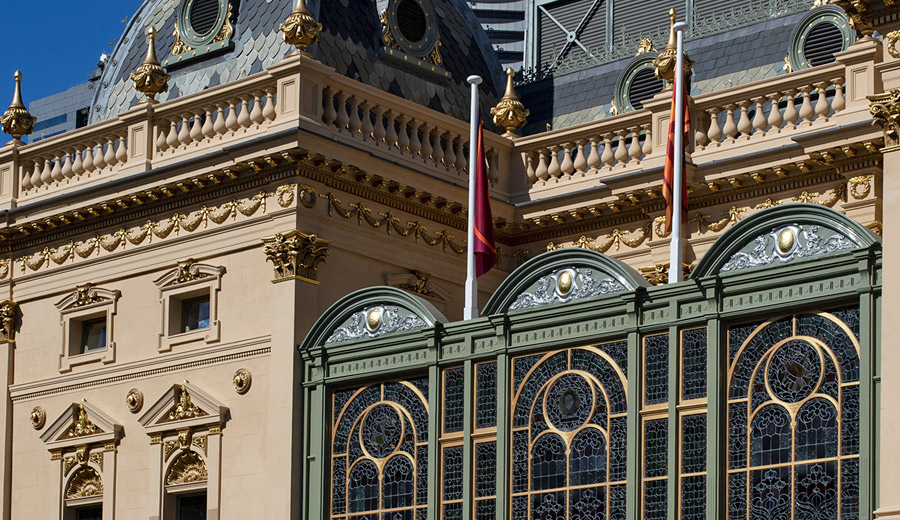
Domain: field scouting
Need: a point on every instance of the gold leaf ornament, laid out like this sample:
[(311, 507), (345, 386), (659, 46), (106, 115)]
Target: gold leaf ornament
[(510, 114)]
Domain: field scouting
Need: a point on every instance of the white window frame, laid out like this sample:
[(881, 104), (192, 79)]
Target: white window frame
[(85, 303), (188, 280)]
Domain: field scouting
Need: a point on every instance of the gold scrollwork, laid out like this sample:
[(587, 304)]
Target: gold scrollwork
[(616, 238), (860, 186), (732, 216), (38, 417), (8, 321), (242, 380), (659, 274), (134, 400), (295, 254), (86, 483), (769, 203), (834, 195), (885, 110), (189, 467), (82, 424)]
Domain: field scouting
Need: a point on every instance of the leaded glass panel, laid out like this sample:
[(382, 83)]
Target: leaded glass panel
[(569, 435), (693, 364), (693, 497), (794, 394), (486, 395), (485, 469), (486, 510), (656, 437), (453, 473), (655, 499), (453, 400), (656, 369), (693, 443)]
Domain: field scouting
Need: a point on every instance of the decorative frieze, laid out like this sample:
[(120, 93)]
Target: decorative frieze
[(296, 255)]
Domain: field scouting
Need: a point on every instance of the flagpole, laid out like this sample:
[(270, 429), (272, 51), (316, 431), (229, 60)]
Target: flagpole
[(470, 310), (675, 247)]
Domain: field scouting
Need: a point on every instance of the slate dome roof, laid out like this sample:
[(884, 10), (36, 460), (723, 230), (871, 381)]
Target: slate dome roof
[(350, 42)]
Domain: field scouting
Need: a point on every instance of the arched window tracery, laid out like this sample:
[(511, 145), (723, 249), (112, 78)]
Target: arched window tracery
[(569, 433), (379, 451), (793, 417)]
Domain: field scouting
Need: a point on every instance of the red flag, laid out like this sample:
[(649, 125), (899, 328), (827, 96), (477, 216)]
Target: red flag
[(485, 251), (669, 172)]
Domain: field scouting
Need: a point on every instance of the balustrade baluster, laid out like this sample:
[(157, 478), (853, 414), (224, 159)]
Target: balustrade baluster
[(593, 159), (543, 171), (184, 134), (449, 153), (744, 126), (77, 164), (207, 128), (567, 166), (122, 149), (759, 119), (162, 132), (379, 131), (67, 164), (256, 115), (390, 137), (647, 149), (775, 118), (714, 133), (790, 110), (700, 129), (172, 136), (634, 149), (838, 104), (438, 154), (461, 159), (46, 176), (427, 149), (342, 117), (730, 128), (88, 158), (56, 171), (528, 160), (231, 122), (622, 147), (355, 122), (328, 114), (219, 126), (269, 110), (25, 182), (110, 157), (554, 169), (366, 125), (402, 133), (822, 108), (244, 117), (196, 132), (608, 158), (99, 159), (415, 145), (36, 173), (806, 109), (580, 163)]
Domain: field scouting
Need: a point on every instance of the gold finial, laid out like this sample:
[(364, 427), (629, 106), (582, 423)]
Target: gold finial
[(150, 78), (645, 46), (510, 113), (664, 63), (300, 29), (16, 121)]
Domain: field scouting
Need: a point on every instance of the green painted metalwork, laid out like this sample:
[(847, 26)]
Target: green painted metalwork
[(713, 299), (828, 14)]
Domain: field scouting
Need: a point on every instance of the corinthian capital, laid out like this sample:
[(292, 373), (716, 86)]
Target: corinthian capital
[(295, 255), (885, 110)]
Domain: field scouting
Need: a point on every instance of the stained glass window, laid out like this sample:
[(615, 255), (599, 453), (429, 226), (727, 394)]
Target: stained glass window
[(453, 400), (569, 436), (486, 398), (379, 451), (656, 369), (693, 364), (485, 480), (793, 417), (693, 466)]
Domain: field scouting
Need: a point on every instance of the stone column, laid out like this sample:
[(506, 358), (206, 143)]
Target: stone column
[(295, 257), (886, 110), (8, 312)]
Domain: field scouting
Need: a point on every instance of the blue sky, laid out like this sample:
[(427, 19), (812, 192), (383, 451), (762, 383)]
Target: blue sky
[(56, 43)]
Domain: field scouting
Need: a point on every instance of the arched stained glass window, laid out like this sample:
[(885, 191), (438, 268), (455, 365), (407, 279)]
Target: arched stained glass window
[(793, 414), (569, 434), (380, 451)]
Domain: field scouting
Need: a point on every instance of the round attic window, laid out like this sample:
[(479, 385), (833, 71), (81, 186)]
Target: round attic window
[(823, 32), (201, 21), (637, 84), (413, 25)]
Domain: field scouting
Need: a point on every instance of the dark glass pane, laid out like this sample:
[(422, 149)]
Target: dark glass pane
[(606, 373), (485, 469), (190, 507), (452, 478), (756, 348), (587, 460), (520, 461), (453, 511), (521, 366), (836, 338), (486, 406), (817, 431), (406, 514), (816, 491), (794, 371), (363, 487), (453, 400), (382, 431), (693, 371), (618, 439), (398, 488), (96, 513), (737, 496), (693, 498), (737, 435), (485, 510), (770, 437), (338, 482), (693, 438), (570, 402), (412, 403), (617, 502), (850, 421), (541, 374), (656, 369), (770, 493), (520, 508), (737, 335), (656, 436), (655, 500), (850, 489), (422, 475), (587, 504), (195, 314), (618, 350), (549, 506), (93, 335), (850, 317), (548, 463), (343, 428)]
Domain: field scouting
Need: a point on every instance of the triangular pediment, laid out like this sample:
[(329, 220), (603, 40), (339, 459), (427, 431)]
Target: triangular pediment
[(183, 406), (79, 424)]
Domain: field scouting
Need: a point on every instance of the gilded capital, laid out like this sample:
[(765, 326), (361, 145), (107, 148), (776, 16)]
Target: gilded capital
[(16, 121), (150, 78), (8, 321), (664, 63), (510, 113), (885, 110), (300, 29), (295, 254), (858, 12)]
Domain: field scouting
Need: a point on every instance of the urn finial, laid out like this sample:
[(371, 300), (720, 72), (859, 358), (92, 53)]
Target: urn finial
[(16, 121), (510, 113), (150, 78)]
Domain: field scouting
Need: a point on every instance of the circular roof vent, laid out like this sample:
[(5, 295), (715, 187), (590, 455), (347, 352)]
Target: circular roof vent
[(644, 86), (819, 35), (637, 84), (202, 15), (411, 20)]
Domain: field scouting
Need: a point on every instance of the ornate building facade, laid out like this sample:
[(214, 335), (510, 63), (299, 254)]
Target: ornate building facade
[(234, 289)]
